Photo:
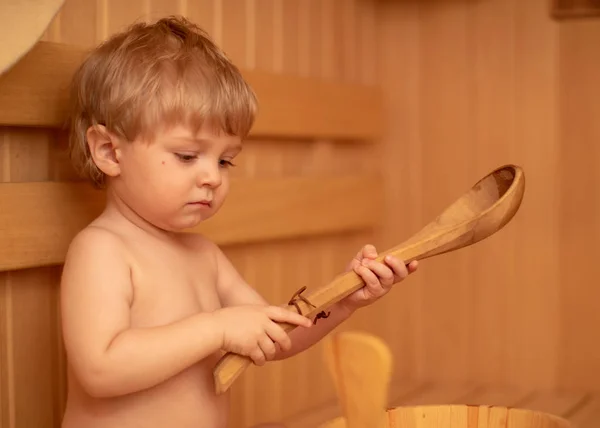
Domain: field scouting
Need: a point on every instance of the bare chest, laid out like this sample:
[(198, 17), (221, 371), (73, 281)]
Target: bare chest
[(169, 285)]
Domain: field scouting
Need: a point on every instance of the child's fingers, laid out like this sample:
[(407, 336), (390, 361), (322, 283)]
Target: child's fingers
[(369, 251), (398, 266), (279, 336), (412, 266), (268, 347), (385, 273), (277, 313), (371, 281), (258, 356)]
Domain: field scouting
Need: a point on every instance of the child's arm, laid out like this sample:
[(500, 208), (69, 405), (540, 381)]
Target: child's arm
[(108, 355), (378, 278)]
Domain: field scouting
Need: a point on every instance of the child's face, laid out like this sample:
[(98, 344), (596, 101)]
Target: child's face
[(178, 179)]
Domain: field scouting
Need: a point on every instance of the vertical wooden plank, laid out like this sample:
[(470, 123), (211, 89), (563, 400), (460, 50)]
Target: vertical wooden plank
[(4, 156), (120, 14), (78, 21), (492, 98), (59, 164), (401, 163), (579, 364), (318, 38), (158, 9), (300, 272), (331, 42), (7, 392), (34, 343), (28, 305), (264, 35), (75, 23), (348, 40), (290, 21), (533, 317), (27, 154), (304, 38), (446, 119), (233, 17), (369, 53), (201, 12), (267, 271)]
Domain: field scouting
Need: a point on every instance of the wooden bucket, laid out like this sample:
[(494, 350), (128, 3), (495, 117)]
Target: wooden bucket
[(462, 416)]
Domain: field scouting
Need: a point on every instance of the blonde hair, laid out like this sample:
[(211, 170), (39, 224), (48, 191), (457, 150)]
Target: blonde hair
[(155, 75)]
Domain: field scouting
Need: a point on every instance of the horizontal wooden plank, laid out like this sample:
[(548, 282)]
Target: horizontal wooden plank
[(33, 93), (38, 220)]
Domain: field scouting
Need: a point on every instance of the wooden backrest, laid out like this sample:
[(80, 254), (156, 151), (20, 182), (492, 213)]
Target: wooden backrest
[(38, 219)]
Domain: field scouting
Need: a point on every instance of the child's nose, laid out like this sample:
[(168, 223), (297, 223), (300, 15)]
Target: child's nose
[(209, 176)]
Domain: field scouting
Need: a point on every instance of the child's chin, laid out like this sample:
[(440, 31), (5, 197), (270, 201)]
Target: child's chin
[(189, 222)]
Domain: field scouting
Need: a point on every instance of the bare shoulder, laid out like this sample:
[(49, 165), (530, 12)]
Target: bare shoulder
[(96, 256), (94, 242)]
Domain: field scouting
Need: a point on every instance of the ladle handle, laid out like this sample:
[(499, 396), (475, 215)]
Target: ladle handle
[(232, 365)]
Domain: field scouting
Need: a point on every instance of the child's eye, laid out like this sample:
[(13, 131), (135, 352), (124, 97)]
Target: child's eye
[(225, 163), (185, 158)]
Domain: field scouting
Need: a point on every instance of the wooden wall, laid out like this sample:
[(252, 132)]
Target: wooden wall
[(332, 41), (468, 85), (471, 85)]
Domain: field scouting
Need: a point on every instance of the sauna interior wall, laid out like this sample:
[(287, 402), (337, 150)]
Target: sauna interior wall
[(471, 85), (333, 40)]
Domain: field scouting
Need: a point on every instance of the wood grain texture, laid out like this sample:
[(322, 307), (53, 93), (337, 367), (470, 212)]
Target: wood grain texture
[(579, 359), (466, 85), (577, 407), (281, 42), (484, 82), (257, 210), (569, 9), (34, 93)]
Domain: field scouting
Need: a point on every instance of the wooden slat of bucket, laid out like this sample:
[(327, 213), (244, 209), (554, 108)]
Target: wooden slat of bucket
[(460, 416), (588, 415), (555, 402)]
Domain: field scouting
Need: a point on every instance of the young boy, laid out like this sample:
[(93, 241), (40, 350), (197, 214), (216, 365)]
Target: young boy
[(158, 116)]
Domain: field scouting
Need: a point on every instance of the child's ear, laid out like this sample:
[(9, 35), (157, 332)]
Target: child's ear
[(105, 149)]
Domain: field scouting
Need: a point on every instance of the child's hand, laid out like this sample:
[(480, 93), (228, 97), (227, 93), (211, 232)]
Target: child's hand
[(379, 277), (252, 331)]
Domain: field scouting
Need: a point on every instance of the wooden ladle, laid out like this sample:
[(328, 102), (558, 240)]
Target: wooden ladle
[(483, 210)]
